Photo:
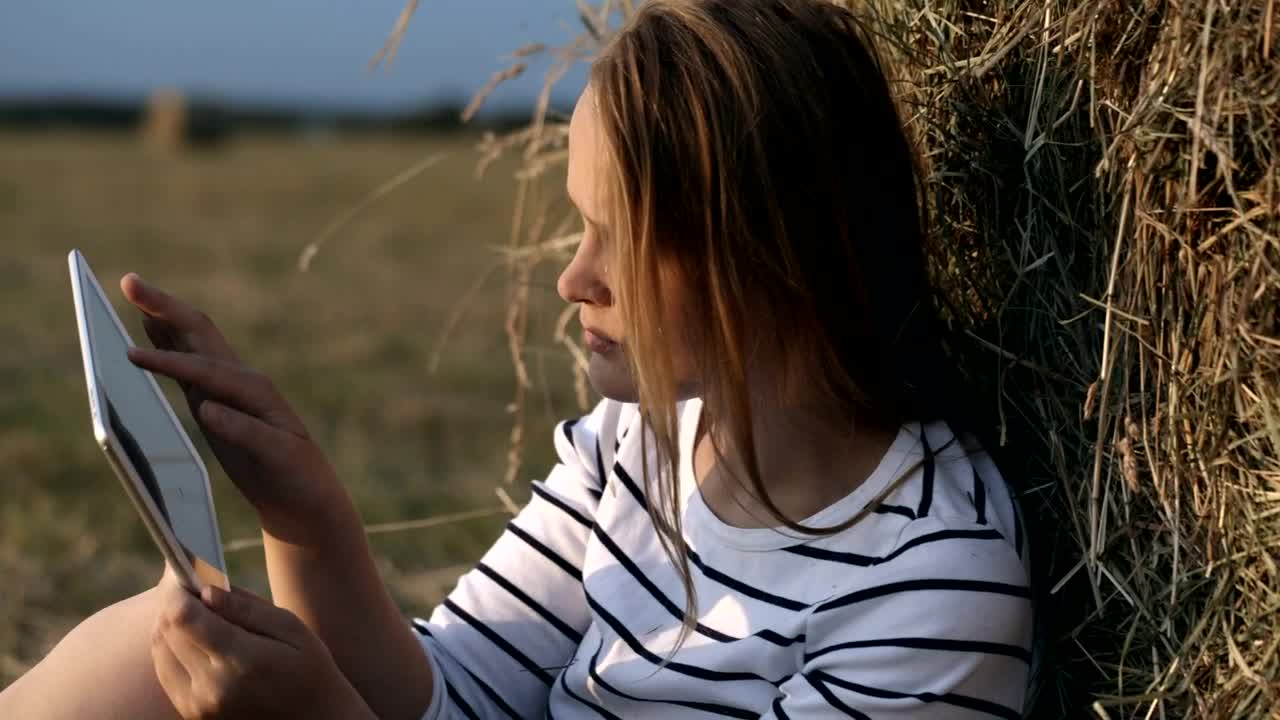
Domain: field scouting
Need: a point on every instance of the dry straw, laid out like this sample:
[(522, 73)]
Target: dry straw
[(1103, 178)]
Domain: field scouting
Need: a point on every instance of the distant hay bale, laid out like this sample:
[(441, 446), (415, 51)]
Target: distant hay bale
[(165, 122), (1104, 187), (173, 122)]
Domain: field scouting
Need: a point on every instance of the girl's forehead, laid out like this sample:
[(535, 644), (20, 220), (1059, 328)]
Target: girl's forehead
[(585, 156)]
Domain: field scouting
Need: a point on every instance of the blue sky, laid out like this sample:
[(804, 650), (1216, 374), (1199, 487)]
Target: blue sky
[(280, 51)]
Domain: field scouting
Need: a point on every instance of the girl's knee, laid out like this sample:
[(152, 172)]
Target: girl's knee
[(102, 668)]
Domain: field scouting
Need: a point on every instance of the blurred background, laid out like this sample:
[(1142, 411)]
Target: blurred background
[(205, 146)]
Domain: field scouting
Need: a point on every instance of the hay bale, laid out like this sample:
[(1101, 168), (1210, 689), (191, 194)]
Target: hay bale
[(1105, 181), (173, 122), (164, 123)]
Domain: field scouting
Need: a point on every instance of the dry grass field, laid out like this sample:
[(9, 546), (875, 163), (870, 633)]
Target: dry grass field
[(350, 342)]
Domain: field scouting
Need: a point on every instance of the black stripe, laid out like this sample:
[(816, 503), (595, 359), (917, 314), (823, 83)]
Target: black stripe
[(675, 610), (944, 535), (684, 669), (630, 484), (1017, 525), (972, 646), (546, 495), (778, 712), (501, 642), (421, 627), (869, 560), (458, 700), (980, 498), (710, 572), (834, 701), (847, 558), (964, 701), (567, 428), (599, 710), (493, 695), (886, 509), (744, 588), (602, 476), (779, 639), (926, 490), (1019, 591), (547, 552), (713, 708), (534, 605), (647, 584)]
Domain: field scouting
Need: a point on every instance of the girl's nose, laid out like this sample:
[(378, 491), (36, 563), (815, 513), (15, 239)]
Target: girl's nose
[(584, 278)]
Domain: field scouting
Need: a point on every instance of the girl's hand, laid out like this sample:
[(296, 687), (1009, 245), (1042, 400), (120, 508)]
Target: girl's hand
[(256, 435), (235, 655)]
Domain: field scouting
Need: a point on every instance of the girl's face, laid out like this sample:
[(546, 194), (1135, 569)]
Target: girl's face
[(586, 280)]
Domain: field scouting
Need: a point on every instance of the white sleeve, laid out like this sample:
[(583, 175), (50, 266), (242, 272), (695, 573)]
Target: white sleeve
[(501, 637), (943, 633), (438, 691)]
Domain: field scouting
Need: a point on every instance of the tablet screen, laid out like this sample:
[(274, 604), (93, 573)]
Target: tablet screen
[(155, 446)]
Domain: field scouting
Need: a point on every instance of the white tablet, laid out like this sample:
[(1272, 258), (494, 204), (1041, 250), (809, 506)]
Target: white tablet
[(145, 444)]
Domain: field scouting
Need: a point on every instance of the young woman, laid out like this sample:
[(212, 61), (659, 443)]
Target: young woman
[(770, 514)]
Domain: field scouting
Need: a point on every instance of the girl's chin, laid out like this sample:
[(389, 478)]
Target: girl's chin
[(610, 375)]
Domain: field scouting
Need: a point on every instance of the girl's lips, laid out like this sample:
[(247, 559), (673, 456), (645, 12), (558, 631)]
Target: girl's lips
[(598, 344)]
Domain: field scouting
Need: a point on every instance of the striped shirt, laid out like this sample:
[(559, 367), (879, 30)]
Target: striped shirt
[(920, 610)]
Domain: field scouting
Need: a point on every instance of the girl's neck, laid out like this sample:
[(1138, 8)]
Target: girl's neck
[(807, 461)]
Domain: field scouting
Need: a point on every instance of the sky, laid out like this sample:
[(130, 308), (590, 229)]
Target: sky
[(308, 52)]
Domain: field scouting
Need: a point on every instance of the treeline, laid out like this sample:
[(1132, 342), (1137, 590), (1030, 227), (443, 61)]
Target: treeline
[(212, 118)]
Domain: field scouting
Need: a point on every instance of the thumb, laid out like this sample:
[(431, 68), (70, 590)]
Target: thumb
[(255, 614)]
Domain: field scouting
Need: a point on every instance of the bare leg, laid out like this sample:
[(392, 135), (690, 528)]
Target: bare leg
[(101, 669)]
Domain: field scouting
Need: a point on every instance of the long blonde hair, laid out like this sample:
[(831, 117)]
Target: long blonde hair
[(758, 159)]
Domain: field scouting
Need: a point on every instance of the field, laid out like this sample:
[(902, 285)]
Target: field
[(351, 343)]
